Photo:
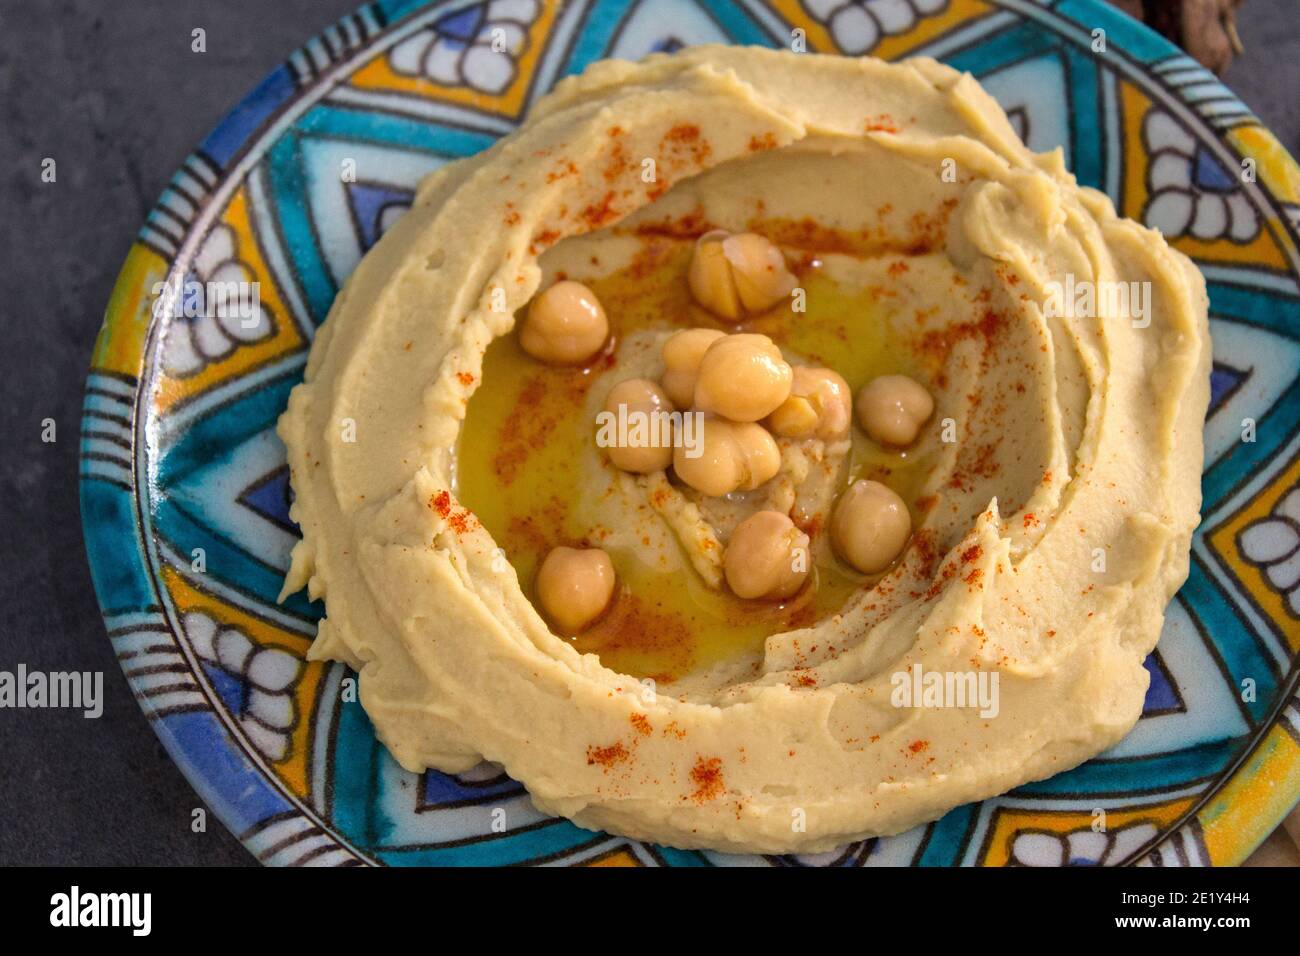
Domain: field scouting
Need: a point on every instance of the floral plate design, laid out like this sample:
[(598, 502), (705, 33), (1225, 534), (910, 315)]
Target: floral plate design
[(184, 484)]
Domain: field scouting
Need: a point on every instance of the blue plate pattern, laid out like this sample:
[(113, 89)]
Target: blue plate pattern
[(184, 484)]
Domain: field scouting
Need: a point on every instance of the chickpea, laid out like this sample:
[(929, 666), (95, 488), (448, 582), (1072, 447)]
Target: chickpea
[(565, 325), (870, 526), (767, 557), (710, 277), (643, 397), (818, 406), (759, 451), (742, 377), (762, 278), (574, 586), (735, 456), (738, 275), (681, 353), (892, 409)]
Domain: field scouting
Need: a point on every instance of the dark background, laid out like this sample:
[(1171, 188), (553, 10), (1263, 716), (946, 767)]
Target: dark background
[(113, 93)]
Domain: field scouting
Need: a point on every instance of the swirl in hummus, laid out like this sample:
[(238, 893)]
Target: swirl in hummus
[(1051, 494)]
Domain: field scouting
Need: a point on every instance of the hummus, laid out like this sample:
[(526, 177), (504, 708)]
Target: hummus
[(1052, 494)]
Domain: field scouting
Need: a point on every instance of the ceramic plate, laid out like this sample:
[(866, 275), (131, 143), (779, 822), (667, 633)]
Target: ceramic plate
[(184, 484)]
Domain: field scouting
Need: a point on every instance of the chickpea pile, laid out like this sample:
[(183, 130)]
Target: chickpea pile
[(748, 393)]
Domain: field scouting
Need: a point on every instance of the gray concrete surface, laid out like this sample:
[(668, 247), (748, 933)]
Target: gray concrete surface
[(114, 93)]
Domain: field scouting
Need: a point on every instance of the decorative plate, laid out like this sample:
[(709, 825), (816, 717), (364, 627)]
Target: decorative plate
[(184, 484)]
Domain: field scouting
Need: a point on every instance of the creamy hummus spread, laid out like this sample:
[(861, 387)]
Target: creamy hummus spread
[(1051, 494)]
